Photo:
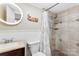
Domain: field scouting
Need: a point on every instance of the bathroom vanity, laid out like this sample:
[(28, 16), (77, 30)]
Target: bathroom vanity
[(16, 52), (12, 49)]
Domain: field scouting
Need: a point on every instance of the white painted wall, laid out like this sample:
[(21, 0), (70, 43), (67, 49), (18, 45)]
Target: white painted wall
[(26, 30), (25, 24)]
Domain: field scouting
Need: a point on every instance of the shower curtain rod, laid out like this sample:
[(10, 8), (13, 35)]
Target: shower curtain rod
[(52, 6)]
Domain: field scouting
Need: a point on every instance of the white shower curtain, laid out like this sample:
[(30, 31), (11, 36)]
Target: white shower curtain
[(45, 38)]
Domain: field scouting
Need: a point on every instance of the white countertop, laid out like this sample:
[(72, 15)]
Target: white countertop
[(11, 46)]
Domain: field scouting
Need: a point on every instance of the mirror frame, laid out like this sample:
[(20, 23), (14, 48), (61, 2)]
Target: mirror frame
[(8, 23)]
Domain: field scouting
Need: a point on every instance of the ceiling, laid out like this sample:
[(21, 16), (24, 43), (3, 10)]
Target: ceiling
[(58, 8), (42, 5)]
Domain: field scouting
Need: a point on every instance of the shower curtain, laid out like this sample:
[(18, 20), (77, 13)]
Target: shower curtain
[(45, 32)]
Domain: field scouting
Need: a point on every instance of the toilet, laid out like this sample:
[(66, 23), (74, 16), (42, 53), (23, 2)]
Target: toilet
[(35, 48)]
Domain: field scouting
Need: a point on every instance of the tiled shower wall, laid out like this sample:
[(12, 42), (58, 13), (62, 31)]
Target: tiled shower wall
[(51, 17), (67, 32)]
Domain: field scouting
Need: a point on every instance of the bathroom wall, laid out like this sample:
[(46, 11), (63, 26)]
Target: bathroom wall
[(25, 24), (51, 18), (26, 30), (67, 35)]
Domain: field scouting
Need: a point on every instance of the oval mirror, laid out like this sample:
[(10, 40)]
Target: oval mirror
[(10, 14)]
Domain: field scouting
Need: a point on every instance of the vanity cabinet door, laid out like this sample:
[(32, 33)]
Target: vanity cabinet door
[(17, 52)]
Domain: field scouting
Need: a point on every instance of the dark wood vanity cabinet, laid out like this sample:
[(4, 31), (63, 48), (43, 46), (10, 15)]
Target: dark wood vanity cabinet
[(17, 52)]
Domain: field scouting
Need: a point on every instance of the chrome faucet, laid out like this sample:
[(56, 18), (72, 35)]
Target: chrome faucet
[(8, 40)]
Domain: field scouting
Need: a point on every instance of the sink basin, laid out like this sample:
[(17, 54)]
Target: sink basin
[(11, 46)]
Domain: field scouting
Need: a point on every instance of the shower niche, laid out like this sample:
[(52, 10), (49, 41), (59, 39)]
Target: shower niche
[(10, 14)]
